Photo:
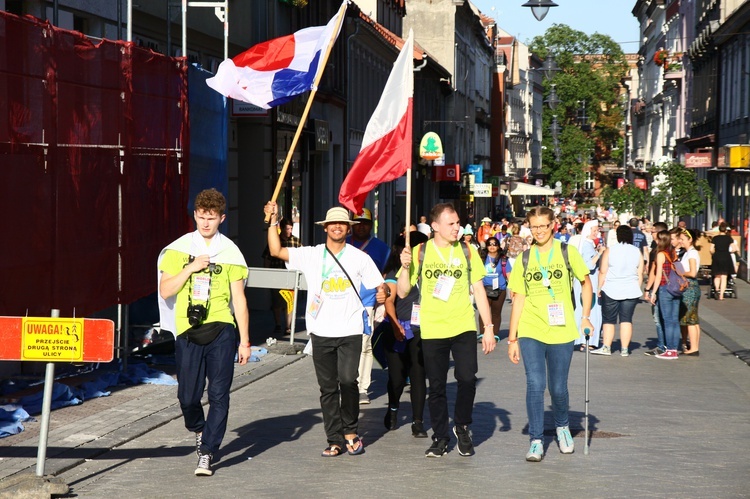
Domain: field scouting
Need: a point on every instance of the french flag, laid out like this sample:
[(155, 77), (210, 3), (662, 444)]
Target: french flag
[(275, 71), (387, 144)]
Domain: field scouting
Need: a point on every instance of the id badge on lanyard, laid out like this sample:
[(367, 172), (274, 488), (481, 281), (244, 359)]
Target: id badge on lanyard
[(444, 287), (556, 314), (415, 310), (201, 287), (315, 305)]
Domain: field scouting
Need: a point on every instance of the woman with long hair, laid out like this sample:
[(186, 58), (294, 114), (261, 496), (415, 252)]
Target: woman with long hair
[(669, 305), (495, 281), (543, 327), (402, 342), (688, 268)]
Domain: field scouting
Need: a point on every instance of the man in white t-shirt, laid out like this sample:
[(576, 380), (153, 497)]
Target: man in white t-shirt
[(334, 272)]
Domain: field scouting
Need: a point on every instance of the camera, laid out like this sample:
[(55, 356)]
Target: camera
[(196, 314)]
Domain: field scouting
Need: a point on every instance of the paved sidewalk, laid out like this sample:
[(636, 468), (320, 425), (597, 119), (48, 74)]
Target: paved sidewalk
[(660, 429)]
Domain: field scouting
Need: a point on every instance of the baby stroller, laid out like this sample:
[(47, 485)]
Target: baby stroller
[(730, 292)]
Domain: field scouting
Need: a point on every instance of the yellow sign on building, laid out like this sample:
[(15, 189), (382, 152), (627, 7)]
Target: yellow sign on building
[(431, 147), (51, 339)]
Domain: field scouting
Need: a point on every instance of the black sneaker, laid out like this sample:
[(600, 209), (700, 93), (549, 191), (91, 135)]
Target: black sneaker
[(438, 448), (198, 442), (465, 446), (204, 465), (417, 429), (391, 419), (654, 352)]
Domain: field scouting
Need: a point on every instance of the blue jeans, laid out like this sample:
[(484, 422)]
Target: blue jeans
[(545, 362), (669, 312), (195, 364), (660, 342)]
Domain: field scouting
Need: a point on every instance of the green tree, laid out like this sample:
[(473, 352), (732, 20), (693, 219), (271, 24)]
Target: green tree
[(591, 68), (680, 192), (628, 199)]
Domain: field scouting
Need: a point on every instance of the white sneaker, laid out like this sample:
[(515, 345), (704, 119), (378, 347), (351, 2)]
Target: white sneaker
[(536, 451), (624, 352), (604, 350), (565, 440)]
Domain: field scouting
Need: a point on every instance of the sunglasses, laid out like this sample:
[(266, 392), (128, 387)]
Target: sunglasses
[(492, 244)]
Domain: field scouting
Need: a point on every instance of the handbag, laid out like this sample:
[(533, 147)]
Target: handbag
[(676, 284), (365, 315), (491, 292)]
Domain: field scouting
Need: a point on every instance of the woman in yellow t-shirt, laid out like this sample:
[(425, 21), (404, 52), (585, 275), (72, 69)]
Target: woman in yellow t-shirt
[(543, 326)]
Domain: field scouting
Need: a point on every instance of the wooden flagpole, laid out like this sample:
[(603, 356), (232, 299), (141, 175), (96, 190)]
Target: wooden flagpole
[(407, 232), (303, 119)]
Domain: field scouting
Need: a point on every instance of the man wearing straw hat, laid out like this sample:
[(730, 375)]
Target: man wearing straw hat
[(334, 272)]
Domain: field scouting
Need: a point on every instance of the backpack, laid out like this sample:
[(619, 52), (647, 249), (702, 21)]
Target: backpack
[(420, 259), (564, 249), (503, 267)]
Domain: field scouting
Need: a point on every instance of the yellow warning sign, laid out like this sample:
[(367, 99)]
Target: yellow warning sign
[(52, 339)]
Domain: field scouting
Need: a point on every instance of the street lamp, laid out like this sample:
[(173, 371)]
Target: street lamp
[(539, 8), (552, 101), (550, 67)]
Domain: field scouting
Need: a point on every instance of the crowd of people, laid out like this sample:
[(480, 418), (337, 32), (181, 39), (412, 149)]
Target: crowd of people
[(429, 297)]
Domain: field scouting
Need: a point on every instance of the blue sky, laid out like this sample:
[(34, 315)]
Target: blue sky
[(609, 17)]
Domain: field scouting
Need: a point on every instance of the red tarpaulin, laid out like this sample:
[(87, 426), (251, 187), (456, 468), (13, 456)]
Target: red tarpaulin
[(90, 136)]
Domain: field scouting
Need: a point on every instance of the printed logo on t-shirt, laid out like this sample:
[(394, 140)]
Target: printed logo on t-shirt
[(429, 274), (334, 285)]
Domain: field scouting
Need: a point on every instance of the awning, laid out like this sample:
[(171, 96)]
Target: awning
[(521, 189)]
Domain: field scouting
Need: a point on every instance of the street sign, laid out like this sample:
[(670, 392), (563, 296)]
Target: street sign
[(430, 147), (55, 339), (477, 171), (483, 190)]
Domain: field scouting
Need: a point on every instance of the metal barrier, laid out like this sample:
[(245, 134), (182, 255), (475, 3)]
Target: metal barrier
[(261, 277)]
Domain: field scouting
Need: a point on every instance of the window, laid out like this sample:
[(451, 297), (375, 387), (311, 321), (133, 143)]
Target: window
[(588, 184)]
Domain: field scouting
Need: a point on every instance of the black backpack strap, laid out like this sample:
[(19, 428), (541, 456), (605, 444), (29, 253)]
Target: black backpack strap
[(525, 264)]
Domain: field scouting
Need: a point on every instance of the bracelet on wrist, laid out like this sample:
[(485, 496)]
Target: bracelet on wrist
[(488, 325), (510, 342), (587, 317), (273, 224), (244, 346)]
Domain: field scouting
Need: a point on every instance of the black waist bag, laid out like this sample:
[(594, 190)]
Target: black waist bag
[(205, 333)]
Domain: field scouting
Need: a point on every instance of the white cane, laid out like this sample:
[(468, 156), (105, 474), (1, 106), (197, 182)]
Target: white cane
[(587, 333)]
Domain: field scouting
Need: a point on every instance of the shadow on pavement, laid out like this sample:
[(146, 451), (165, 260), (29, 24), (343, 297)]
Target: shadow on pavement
[(264, 434)]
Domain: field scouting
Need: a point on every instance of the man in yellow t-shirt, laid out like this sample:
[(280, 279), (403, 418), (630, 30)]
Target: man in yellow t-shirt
[(446, 318), (200, 275)]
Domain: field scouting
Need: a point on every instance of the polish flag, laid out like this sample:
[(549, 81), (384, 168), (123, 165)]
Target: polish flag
[(387, 144), (275, 71)]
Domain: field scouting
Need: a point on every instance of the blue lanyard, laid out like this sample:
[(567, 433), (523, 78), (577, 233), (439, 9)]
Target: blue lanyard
[(545, 275)]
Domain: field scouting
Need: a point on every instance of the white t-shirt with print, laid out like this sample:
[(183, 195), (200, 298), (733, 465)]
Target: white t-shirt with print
[(340, 312)]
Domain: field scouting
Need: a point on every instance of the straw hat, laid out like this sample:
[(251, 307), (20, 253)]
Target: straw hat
[(337, 214)]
